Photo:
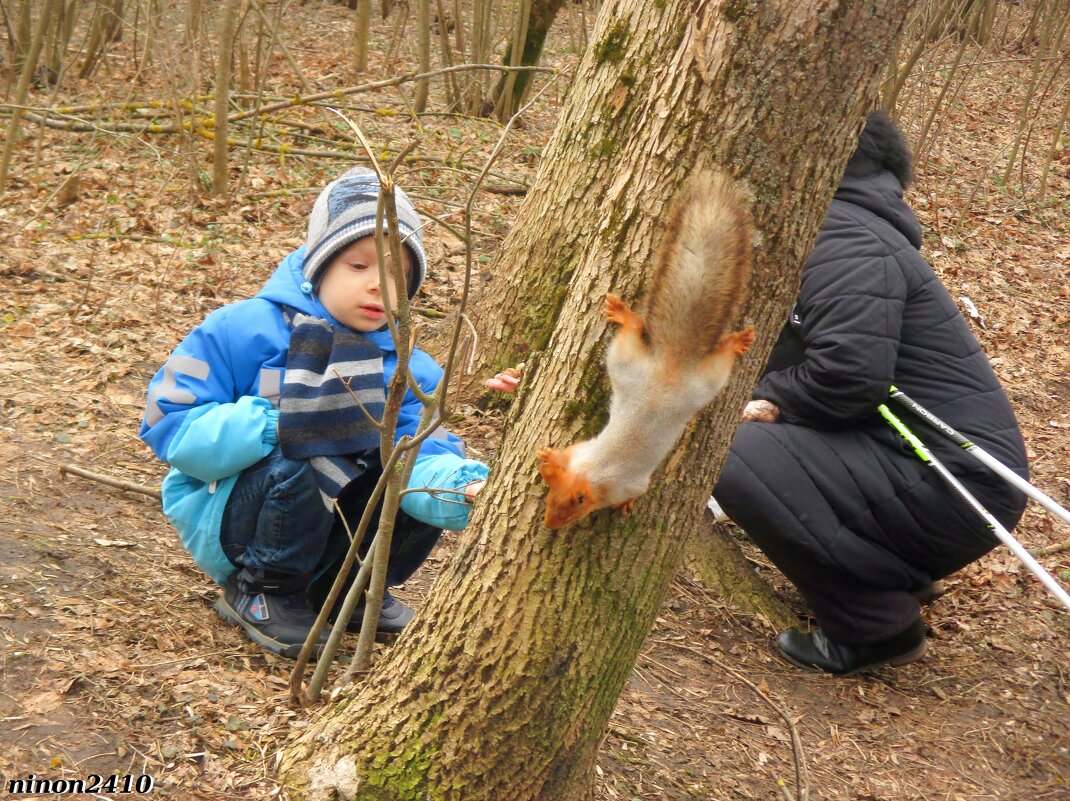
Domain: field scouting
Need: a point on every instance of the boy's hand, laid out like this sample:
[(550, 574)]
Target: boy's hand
[(761, 411), (507, 380), (472, 490)]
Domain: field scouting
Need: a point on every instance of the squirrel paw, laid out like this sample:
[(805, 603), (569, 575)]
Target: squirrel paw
[(618, 312), (626, 507), (738, 341)]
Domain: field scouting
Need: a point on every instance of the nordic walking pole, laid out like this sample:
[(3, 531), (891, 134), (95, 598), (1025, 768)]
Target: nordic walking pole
[(1005, 536), (982, 456)]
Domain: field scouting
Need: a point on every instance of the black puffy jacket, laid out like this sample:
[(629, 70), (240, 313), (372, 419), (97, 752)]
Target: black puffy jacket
[(871, 313)]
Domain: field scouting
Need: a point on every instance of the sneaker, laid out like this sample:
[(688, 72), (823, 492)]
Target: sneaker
[(393, 617), (274, 619), (815, 650)]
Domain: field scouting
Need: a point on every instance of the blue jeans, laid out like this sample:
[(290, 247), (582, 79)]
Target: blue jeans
[(276, 524)]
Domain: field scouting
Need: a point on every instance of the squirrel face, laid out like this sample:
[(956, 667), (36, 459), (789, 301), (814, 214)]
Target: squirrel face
[(571, 496)]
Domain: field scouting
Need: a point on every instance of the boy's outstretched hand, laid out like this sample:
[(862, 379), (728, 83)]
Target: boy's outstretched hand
[(507, 380)]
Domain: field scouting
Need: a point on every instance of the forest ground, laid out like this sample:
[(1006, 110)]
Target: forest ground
[(111, 658)]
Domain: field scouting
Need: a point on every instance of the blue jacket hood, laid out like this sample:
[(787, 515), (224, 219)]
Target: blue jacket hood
[(287, 287)]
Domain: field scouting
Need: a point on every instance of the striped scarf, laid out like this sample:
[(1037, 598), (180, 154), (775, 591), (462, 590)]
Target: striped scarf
[(318, 418)]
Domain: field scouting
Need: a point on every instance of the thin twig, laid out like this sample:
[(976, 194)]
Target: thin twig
[(306, 100), (1064, 546), (364, 142), (466, 288), (356, 400), (441, 492), (475, 345), (129, 486)]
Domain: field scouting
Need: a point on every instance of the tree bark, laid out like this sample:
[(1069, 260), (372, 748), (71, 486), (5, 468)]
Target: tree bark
[(502, 686), (223, 69), (105, 28), (360, 35), (515, 85), (715, 560), (478, 53), (22, 91), (423, 53)]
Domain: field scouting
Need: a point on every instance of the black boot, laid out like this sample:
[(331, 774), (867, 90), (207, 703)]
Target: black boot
[(815, 650), (272, 610)]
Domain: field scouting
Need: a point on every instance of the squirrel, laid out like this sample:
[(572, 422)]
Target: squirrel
[(665, 368)]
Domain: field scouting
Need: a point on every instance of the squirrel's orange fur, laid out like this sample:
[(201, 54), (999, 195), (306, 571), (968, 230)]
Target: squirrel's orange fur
[(667, 367)]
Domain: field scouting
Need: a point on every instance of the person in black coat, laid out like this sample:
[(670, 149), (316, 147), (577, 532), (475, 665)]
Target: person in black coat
[(820, 482)]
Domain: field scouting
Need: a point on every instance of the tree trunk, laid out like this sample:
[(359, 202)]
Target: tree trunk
[(478, 53), (543, 13), (360, 35), (715, 560), (105, 28), (503, 100), (423, 52), (502, 686), (228, 23), (22, 91), (620, 120), (23, 33)]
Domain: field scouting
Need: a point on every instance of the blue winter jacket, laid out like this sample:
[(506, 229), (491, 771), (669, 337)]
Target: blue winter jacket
[(212, 411)]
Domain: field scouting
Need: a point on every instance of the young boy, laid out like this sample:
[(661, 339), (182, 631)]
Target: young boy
[(261, 434)]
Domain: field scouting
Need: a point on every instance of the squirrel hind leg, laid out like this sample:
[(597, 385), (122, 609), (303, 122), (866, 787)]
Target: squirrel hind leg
[(738, 342), (716, 367), (617, 311)]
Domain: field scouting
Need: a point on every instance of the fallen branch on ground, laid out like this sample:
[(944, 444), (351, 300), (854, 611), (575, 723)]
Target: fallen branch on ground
[(129, 486), (1063, 546)]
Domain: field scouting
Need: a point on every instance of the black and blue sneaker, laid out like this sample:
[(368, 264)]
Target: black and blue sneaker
[(393, 617), (273, 611)]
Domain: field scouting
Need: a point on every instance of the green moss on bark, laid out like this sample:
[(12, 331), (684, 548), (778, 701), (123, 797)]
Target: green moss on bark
[(402, 776), (735, 9), (611, 48), (593, 409)]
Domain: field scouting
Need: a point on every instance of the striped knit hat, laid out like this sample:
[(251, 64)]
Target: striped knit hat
[(345, 212)]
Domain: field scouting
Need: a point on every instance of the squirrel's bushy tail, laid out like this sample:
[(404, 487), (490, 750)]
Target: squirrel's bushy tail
[(703, 266)]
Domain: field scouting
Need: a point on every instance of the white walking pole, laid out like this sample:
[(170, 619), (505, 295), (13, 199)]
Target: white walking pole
[(1005, 536), (982, 456)]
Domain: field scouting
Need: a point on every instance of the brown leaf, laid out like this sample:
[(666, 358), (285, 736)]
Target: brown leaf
[(44, 701)]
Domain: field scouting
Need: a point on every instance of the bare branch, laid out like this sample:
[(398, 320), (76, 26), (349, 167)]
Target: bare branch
[(129, 486), (356, 400)]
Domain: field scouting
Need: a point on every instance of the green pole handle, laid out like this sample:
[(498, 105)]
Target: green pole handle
[(904, 432)]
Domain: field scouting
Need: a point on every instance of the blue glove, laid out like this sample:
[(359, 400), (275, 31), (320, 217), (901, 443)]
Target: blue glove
[(442, 471)]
